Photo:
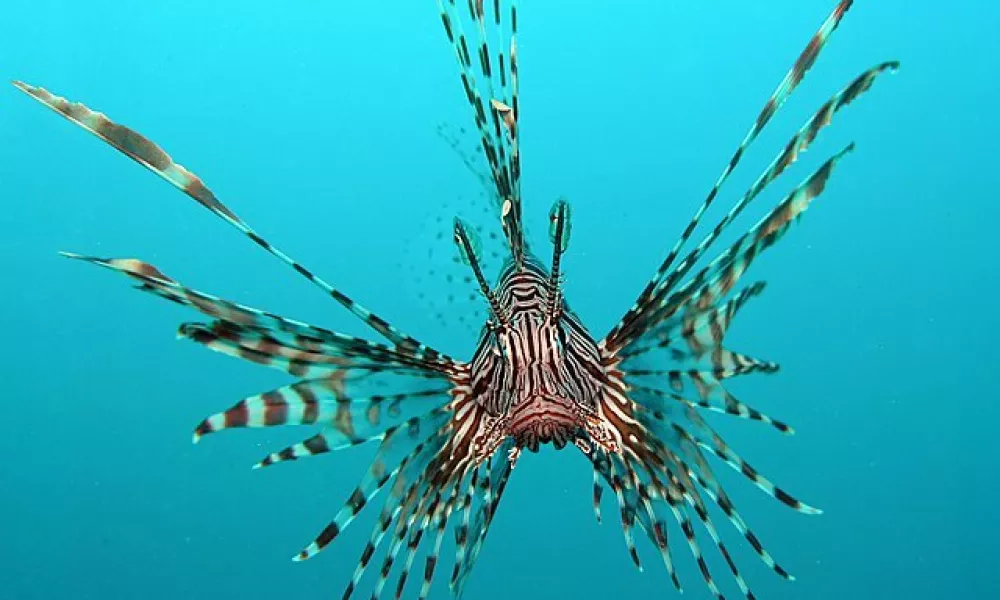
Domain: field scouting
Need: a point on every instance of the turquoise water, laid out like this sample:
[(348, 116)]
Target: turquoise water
[(316, 121)]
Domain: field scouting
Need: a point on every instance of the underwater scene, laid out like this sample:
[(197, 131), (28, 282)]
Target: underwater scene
[(640, 299)]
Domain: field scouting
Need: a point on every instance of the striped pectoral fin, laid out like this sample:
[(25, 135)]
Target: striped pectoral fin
[(684, 518), (302, 403), (324, 401), (425, 492), (628, 505), (153, 280), (690, 426), (799, 143), (424, 470), (700, 324), (132, 144), (409, 446), (793, 149), (719, 277), (726, 454), (724, 315), (672, 489), (722, 274), (416, 511), (401, 495), (658, 283), (700, 470), (334, 349), (311, 365), (435, 515), (663, 462), (441, 480), (256, 329), (650, 493), (355, 421), (462, 528), (492, 486), (148, 154), (712, 395), (632, 515), (672, 471), (649, 480), (441, 525), (718, 362), (412, 536), (708, 394), (695, 504), (641, 499), (306, 360), (598, 492), (327, 440)]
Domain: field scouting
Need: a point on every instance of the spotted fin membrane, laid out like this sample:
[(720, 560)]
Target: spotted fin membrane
[(669, 361)]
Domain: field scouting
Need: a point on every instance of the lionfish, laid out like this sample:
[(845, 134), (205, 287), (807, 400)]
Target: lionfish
[(632, 402)]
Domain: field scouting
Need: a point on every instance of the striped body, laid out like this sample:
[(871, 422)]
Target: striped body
[(448, 432), (538, 377)]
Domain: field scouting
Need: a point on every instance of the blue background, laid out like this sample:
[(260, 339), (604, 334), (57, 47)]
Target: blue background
[(316, 122)]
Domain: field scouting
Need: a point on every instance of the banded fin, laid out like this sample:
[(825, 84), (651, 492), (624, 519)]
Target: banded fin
[(628, 511), (431, 561), (495, 118), (492, 487), (703, 474), (148, 154), (411, 512), (303, 361), (415, 442), (638, 504), (717, 278), (263, 328), (660, 283), (598, 493), (661, 473), (462, 528), (437, 513), (323, 401), (713, 397), (154, 281), (423, 495), (700, 329), (403, 492), (797, 145), (666, 421), (701, 362), (440, 476), (654, 526)]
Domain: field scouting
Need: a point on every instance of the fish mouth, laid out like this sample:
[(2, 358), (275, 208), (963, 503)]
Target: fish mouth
[(546, 419)]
